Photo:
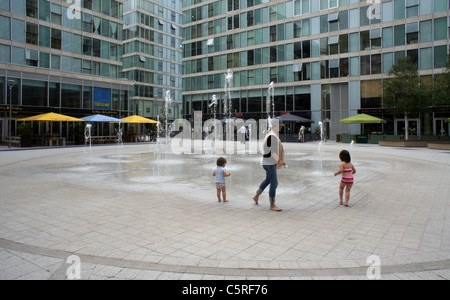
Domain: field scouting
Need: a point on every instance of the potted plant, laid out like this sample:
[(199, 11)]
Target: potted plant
[(25, 131)]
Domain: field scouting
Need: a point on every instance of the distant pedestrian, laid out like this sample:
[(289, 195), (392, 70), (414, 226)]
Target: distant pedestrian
[(220, 173), (347, 170), (242, 133)]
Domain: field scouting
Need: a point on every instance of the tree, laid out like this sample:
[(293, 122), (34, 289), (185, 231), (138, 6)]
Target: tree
[(441, 87), (403, 93)]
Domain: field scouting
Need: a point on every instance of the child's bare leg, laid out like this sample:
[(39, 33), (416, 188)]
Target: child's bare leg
[(218, 195), (341, 192), (347, 193), (224, 194)]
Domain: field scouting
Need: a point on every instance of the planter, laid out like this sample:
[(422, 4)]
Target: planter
[(402, 143), (439, 145)]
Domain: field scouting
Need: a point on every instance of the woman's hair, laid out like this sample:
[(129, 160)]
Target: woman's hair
[(345, 156), (221, 161)]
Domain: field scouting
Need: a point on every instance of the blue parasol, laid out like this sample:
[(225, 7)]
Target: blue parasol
[(102, 118)]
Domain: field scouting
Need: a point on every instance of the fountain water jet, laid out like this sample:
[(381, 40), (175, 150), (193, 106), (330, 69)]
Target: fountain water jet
[(227, 104)]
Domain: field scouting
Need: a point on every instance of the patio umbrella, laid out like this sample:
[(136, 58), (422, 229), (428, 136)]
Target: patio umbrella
[(139, 119), (288, 118), (102, 118), (51, 117), (362, 119)]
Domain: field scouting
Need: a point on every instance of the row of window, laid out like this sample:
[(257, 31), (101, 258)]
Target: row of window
[(152, 36), (34, 58), (49, 11), (34, 34), (139, 61), (153, 78), (153, 8), (429, 30), (339, 44), (333, 68), (147, 91), (153, 50), (379, 12), (53, 94), (153, 22)]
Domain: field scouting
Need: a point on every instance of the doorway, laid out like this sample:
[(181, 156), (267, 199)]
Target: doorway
[(440, 127), (413, 126)]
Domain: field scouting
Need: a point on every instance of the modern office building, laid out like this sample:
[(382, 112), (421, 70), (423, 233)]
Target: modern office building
[(327, 58), (153, 55), (64, 57)]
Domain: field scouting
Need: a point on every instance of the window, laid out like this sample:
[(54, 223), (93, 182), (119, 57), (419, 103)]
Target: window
[(343, 66), (44, 36), (388, 61), (440, 56), (388, 37), (44, 60), (87, 46), (426, 58), (365, 65), (96, 48), (32, 8), (365, 40), (399, 35), (334, 68), (56, 39), (32, 34), (399, 9), (376, 63), (34, 93), (56, 62), (412, 33), (87, 4), (55, 14), (412, 8), (297, 29), (87, 23), (354, 18), (18, 31), (425, 7), (44, 10), (343, 43), (333, 44), (31, 57), (440, 29), (426, 31)]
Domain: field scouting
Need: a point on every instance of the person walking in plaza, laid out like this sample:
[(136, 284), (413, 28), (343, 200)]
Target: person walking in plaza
[(347, 170), (220, 173), (272, 160), (242, 134)]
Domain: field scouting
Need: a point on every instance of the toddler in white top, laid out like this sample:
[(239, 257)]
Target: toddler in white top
[(220, 173)]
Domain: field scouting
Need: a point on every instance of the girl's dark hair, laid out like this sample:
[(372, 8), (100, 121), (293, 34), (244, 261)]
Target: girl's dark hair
[(221, 161), (345, 156)]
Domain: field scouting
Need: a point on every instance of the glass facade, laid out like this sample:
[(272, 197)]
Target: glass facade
[(58, 54), (153, 55), (311, 50)]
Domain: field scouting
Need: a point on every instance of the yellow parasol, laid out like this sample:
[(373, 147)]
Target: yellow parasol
[(139, 119), (51, 117)]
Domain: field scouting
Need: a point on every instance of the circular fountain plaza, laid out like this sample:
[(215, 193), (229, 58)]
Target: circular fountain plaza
[(147, 213)]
